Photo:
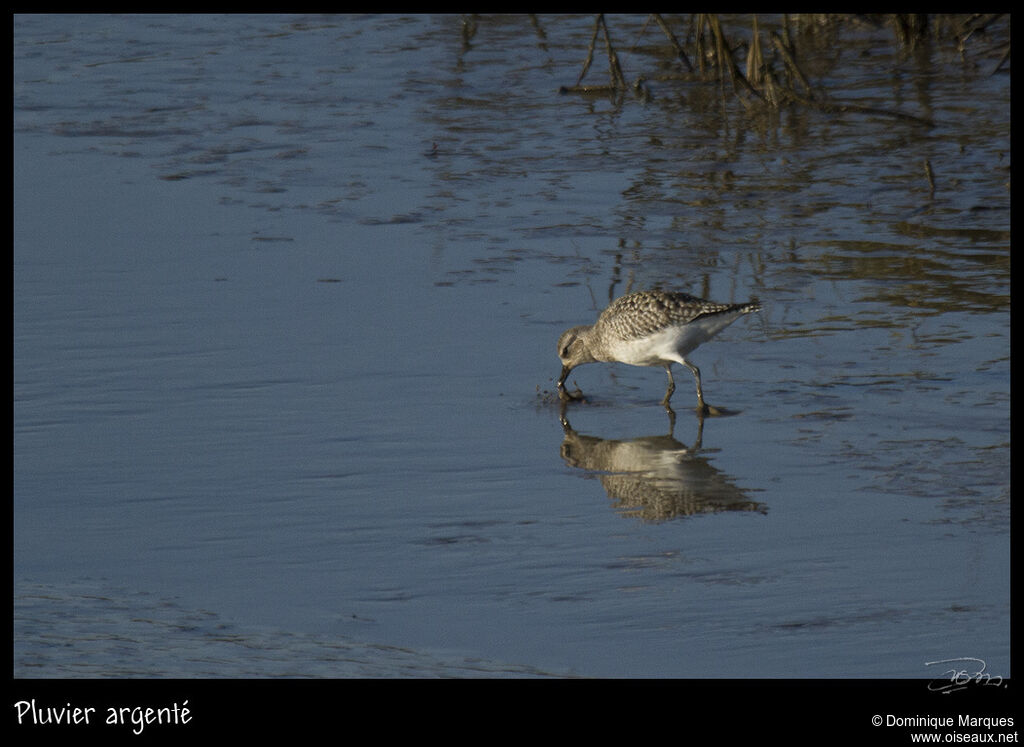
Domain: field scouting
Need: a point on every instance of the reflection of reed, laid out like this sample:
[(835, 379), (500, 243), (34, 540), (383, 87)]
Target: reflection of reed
[(655, 477)]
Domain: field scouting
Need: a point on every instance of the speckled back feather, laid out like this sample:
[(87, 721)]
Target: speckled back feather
[(642, 313)]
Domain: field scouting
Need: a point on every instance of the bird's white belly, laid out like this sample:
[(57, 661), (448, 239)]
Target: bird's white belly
[(670, 344), (667, 345)]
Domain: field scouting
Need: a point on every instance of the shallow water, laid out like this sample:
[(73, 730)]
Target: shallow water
[(286, 298)]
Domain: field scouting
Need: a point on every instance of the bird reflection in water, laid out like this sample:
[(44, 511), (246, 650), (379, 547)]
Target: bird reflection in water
[(655, 478)]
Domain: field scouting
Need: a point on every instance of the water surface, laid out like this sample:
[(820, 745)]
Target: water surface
[(286, 297)]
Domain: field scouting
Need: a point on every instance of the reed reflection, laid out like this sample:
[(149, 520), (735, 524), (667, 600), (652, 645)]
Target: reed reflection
[(655, 478)]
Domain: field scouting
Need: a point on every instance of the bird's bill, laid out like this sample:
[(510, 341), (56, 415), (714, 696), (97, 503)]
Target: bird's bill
[(564, 376)]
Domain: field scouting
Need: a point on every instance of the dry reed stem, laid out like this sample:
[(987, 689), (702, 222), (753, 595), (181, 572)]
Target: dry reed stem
[(791, 65), (614, 70), (590, 52), (712, 46), (680, 53)]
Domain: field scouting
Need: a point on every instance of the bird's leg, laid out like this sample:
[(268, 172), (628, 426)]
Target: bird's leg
[(700, 392)]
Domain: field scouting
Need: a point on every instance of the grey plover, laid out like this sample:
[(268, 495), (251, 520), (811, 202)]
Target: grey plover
[(649, 328)]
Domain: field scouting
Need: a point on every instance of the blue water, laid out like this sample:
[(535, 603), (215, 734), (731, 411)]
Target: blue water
[(286, 298)]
